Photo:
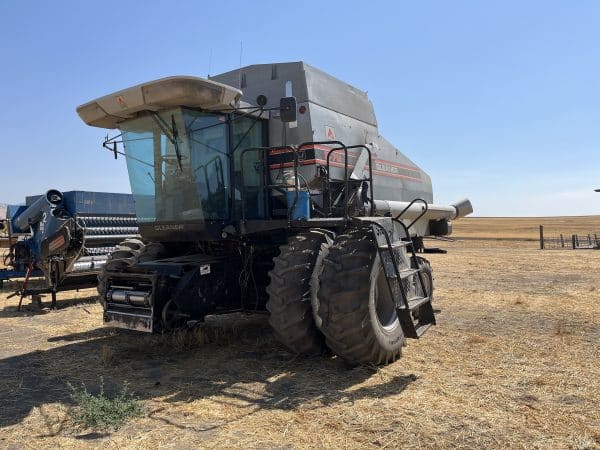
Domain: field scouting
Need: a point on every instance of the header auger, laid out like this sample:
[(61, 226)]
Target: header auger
[(276, 195)]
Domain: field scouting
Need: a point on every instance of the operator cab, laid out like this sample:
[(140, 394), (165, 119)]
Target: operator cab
[(184, 167), (185, 162)]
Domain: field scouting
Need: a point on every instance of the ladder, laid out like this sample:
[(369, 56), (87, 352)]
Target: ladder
[(401, 266)]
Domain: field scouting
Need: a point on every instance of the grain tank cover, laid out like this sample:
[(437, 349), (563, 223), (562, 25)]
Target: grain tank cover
[(194, 92)]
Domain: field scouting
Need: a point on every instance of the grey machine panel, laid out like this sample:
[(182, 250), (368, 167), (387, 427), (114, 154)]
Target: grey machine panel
[(334, 111)]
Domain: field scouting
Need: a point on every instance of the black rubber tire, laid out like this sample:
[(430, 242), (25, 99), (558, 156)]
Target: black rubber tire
[(290, 293), (317, 271), (349, 295), (427, 272), (127, 253)]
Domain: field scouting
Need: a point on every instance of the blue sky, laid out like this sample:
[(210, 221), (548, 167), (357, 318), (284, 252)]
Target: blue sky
[(497, 101)]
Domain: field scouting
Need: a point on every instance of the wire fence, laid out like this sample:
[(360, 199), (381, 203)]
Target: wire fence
[(572, 241)]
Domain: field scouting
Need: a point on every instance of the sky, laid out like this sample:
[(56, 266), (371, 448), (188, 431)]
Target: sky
[(497, 101)]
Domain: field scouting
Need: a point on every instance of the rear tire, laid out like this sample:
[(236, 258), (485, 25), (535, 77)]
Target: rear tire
[(428, 279), (358, 314), (290, 293)]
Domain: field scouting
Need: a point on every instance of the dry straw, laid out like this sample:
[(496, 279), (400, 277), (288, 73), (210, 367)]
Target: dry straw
[(513, 363)]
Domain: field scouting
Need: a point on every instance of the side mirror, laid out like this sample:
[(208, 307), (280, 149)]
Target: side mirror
[(287, 107)]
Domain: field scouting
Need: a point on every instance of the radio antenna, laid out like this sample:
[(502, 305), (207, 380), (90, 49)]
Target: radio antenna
[(240, 71)]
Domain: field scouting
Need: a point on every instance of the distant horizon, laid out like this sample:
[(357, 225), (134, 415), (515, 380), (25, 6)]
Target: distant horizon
[(527, 217)]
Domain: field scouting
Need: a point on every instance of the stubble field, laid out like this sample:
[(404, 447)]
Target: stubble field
[(512, 363)]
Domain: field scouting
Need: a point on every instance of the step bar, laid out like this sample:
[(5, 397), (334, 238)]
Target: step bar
[(129, 318)]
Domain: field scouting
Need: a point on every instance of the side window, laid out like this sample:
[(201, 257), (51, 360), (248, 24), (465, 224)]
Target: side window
[(247, 132), (208, 151)]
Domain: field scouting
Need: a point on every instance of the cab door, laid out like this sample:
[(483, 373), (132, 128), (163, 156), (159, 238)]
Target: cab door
[(249, 132)]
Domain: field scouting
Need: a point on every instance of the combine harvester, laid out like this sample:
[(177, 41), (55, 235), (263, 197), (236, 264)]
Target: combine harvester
[(279, 196), (65, 238)]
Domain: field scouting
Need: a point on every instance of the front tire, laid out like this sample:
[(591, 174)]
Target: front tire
[(290, 293), (358, 314)]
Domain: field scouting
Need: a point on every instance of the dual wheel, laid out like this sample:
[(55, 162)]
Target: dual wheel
[(332, 292)]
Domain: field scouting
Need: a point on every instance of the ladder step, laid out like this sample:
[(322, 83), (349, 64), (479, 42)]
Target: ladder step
[(422, 328), (412, 328), (397, 244), (415, 302), (405, 273)]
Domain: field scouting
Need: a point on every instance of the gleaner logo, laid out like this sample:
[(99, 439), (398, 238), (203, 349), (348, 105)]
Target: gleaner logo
[(172, 227)]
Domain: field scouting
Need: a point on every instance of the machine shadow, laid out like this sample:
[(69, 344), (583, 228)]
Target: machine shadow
[(243, 365), (30, 308)]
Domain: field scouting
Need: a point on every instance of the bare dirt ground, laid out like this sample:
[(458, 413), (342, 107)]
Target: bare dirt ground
[(514, 362)]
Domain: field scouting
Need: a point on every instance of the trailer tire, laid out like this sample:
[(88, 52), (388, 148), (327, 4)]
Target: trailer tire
[(127, 253), (359, 318), (290, 293)]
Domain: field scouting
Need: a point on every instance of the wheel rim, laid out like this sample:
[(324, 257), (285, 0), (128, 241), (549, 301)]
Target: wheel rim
[(384, 303), (171, 316)]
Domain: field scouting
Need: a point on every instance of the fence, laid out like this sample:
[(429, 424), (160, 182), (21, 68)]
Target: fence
[(573, 241)]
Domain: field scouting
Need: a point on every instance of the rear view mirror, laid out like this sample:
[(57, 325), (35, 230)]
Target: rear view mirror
[(287, 107)]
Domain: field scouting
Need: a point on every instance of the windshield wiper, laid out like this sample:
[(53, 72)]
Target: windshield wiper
[(176, 143), (172, 134)]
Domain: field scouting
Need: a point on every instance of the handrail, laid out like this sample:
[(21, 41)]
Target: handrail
[(345, 148), (397, 218), (394, 263), (370, 179), (295, 151), (266, 186), (341, 147)]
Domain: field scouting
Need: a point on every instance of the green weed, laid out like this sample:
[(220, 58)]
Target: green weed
[(101, 412)]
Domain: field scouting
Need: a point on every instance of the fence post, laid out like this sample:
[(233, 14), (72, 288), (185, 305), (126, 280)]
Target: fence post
[(562, 241), (589, 240), (573, 238), (541, 237)]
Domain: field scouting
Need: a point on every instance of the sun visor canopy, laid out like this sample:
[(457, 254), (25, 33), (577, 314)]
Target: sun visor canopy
[(166, 93)]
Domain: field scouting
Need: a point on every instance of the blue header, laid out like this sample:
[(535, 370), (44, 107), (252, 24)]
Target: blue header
[(94, 203)]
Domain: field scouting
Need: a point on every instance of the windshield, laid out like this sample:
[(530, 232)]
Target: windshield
[(178, 164)]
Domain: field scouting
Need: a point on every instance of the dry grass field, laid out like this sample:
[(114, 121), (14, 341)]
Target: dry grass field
[(524, 227), (514, 362)]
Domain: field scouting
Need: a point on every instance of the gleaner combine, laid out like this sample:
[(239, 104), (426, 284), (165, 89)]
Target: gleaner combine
[(270, 188)]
